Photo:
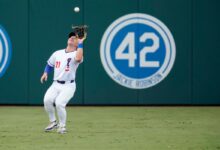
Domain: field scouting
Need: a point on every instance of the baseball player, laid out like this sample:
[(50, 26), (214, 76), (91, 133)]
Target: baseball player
[(64, 62)]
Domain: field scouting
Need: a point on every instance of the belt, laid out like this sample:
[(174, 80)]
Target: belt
[(63, 82)]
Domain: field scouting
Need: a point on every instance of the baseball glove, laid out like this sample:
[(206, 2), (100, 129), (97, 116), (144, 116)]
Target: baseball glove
[(80, 31)]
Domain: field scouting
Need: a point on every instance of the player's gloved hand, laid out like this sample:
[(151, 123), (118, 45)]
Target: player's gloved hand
[(80, 31), (80, 41), (43, 77)]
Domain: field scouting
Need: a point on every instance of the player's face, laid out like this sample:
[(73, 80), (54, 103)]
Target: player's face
[(73, 41)]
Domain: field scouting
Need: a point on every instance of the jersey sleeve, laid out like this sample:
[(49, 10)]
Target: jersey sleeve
[(51, 60)]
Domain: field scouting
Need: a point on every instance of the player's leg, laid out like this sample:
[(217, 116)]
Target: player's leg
[(49, 100), (61, 101)]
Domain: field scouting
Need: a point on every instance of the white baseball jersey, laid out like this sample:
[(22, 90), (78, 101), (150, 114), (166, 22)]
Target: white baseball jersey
[(64, 64)]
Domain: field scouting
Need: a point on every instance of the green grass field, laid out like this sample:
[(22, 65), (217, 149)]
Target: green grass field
[(113, 128)]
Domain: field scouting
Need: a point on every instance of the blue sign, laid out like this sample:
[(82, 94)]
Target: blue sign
[(5, 51), (137, 51)]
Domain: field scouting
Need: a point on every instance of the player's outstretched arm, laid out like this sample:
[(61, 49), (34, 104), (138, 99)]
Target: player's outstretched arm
[(79, 52)]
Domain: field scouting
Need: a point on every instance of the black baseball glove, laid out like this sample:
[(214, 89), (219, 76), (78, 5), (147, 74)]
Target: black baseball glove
[(80, 31)]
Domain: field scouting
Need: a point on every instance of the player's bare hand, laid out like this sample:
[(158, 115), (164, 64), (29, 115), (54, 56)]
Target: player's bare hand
[(43, 78)]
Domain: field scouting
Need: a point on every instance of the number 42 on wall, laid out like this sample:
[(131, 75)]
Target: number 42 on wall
[(131, 56)]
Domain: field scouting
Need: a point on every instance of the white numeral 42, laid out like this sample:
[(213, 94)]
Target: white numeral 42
[(131, 56)]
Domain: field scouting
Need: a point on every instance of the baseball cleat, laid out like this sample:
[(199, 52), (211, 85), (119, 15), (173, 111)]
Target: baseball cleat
[(61, 130), (51, 126)]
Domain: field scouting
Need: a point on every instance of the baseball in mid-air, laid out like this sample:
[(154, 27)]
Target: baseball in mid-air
[(76, 9)]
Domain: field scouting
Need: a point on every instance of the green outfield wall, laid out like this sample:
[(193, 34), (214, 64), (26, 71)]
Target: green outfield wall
[(36, 28)]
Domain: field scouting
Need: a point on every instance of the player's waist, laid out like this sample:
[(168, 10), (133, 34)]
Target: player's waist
[(64, 82)]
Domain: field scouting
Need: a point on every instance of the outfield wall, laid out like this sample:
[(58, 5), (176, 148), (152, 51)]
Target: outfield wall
[(38, 27)]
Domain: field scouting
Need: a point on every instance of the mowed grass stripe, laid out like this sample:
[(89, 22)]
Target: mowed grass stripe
[(113, 128)]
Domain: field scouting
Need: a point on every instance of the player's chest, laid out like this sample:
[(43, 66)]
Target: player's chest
[(64, 61)]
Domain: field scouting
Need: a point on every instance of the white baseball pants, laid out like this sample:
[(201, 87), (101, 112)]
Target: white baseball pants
[(60, 95)]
